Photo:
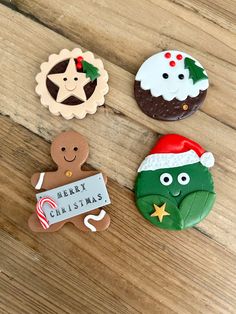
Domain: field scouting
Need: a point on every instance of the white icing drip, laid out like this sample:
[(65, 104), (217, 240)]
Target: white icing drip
[(40, 181), (98, 217), (151, 71)]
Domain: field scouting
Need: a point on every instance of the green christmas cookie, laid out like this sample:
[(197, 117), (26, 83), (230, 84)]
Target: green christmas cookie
[(174, 188)]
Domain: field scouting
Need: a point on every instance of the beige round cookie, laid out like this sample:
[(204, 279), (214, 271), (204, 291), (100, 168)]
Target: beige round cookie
[(71, 84)]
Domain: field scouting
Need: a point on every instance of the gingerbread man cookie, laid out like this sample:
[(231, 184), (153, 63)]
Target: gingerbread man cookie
[(75, 192), (72, 83)]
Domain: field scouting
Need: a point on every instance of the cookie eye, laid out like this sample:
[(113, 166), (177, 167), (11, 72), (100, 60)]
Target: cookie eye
[(165, 75), (64, 79), (181, 76), (183, 178), (75, 149), (166, 179), (75, 78), (63, 149)]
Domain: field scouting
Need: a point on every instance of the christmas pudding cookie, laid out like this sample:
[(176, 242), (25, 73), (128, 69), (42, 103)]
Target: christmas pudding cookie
[(174, 188), (72, 83), (170, 85), (70, 194)]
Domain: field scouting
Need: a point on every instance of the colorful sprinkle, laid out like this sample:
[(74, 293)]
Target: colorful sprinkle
[(167, 55), (179, 57), (172, 63)]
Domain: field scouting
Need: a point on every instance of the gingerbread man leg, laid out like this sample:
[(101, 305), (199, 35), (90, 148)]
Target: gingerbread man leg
[(36, 226), (95, 220)]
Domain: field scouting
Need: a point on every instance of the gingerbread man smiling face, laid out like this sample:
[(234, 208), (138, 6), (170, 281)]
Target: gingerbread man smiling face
[(69, 151)]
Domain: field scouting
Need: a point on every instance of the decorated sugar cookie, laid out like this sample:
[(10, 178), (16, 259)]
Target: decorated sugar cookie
[(174, 188), (70, 194), (72, 83), (170, 85)]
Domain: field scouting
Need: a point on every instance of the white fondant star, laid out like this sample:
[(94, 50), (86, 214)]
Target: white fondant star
[(70, 83)]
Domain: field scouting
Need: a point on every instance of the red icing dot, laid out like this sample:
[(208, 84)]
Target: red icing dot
[(172, 63), (167, 55), (179, 57)]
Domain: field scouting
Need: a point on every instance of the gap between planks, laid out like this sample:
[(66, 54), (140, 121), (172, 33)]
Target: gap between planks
[(131, 140), (129, 262)]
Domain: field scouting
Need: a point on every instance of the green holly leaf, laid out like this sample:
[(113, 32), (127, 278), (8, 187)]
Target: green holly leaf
[(196, 73), (146, 206), (195, 207), (91, 71)]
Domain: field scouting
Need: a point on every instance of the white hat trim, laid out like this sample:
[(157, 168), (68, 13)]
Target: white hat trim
[(170, 160)]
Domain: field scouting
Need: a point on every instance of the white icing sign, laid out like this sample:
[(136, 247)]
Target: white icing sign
[(75, 198)]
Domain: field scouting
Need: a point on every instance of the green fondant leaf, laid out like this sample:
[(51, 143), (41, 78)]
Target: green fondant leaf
[(146, 206), (196, 73), (195, 207), (91, 71)]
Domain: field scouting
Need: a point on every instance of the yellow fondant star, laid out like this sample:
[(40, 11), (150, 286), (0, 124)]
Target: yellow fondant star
[(160, 212), (70, 83)]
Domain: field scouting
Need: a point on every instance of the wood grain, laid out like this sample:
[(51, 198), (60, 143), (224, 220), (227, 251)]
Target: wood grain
[(131, 268), (130, 140), (127, 32)]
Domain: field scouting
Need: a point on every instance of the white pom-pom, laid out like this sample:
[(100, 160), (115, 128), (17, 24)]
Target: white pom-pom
[(207, 159)]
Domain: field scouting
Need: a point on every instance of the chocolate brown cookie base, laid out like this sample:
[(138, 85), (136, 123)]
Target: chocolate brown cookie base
[(161, 109), (53, 89)]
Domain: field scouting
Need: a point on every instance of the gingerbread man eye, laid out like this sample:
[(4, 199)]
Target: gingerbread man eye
[(63, 149), (181, 76), (183, 178), (165, 75), (75, 149), (75, 78), (64, 79), (166, 179)]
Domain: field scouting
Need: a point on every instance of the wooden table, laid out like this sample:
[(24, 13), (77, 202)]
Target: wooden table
[(133, 267)]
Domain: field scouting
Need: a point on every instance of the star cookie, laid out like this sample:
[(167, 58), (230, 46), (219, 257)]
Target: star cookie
[(72, 83)]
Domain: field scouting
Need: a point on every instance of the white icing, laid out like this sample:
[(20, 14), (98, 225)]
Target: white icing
[(207, 159), (168, 160), (98, 217), (151, 71), (40, 181)]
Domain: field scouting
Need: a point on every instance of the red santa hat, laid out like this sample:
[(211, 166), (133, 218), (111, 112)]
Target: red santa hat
[(173, 150)]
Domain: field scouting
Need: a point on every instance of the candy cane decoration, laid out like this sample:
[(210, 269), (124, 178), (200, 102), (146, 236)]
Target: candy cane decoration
[(40, 213)]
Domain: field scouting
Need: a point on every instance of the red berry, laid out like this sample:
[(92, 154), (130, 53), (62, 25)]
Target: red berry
[(79, 59), (167, 55), (179, 57), (79, 66), (172, 63)]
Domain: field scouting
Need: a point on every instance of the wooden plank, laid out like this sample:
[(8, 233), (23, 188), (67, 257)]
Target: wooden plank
[(131, 268), (119, 143), (127, 32)]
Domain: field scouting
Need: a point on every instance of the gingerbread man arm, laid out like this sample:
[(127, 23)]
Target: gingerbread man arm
[(42, 180)]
